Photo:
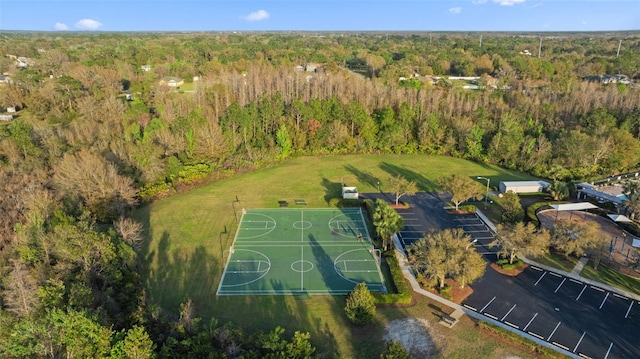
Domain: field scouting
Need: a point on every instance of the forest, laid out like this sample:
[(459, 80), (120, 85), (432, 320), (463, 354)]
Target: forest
[(96, 131)]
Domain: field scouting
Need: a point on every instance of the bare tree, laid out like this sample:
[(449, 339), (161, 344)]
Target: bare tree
[(96, 182), (129, 230), (20, 290)]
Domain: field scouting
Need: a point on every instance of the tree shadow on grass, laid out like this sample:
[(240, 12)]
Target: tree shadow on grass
[(362, 176), (424, 184), (332, 189), (173, 275)]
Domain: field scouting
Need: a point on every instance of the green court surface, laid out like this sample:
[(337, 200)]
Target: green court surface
[(301, 251)]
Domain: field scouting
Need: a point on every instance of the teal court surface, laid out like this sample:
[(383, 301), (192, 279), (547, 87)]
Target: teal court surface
[(301, 251)]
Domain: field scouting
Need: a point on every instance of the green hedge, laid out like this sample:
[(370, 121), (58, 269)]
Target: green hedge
[(404, 295), (504, 263), (342, 203)]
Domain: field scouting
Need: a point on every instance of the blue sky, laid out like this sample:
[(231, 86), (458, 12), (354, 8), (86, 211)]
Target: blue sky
[(320, 15)]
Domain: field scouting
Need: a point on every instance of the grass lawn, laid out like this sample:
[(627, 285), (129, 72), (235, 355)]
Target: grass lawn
[(611, 277), (558, 261), (188, 236)]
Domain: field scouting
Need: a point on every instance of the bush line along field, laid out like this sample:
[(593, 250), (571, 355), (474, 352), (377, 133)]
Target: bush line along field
[(189, 233)]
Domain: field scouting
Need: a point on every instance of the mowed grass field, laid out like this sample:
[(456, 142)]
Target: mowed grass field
[(188, 236)]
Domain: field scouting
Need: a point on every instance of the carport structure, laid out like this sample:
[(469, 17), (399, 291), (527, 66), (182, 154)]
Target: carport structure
[(571, 207)]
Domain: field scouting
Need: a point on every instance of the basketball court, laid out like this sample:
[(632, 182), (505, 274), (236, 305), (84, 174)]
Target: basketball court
[(301, 251)]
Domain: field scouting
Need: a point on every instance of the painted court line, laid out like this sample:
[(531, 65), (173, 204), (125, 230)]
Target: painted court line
[(560, 285), (628, 310), (582, 291), (576, 348), (527, 326), (539, 279), (554, 330), (502, 320), (485, 307), (604, 300)]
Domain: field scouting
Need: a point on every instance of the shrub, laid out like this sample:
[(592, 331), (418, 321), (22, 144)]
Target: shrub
[(360, 307), (342, 203), (404, 292), (395, 350)]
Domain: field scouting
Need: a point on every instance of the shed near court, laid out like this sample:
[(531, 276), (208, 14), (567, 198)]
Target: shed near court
[(523, 186)]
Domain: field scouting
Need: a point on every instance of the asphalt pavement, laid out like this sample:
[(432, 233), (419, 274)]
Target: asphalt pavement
[(583, 319)]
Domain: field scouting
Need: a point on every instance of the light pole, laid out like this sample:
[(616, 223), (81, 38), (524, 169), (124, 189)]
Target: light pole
[(378, 186), (470, 243), (486, 197)]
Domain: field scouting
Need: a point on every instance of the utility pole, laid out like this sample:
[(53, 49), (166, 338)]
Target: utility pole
[(540, 47), (619, 45)]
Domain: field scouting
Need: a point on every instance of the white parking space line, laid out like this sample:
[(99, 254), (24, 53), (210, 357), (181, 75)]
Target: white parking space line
[(560, 345), (560, 285), (584, 356), (555, 274), (530, 321), (604, 300), (554, 330), (470, 307), (596, 288), (576, 348), (539, 279), (511, 325), (411, 231), (485, 307), (536, 335), (502, 320), (411, 219), (582, 291), (628, 310), (479, 238), (575, 281), (536, 268), (620, 296), (608, 351), (491, 316)]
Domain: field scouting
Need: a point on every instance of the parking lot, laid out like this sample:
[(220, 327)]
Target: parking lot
[(585, 320), (580, 318)]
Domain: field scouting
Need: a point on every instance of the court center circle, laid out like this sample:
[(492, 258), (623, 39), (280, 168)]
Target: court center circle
[(301, 266), (302, 225)]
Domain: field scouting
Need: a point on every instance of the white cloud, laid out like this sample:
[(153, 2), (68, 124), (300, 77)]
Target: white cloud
[(455, 10), (88, 24), (257, 16), (508, 2), (60, 26), (583, 22), (478, 2)]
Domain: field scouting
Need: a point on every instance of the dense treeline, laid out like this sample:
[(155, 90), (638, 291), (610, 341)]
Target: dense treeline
[(79, 155)]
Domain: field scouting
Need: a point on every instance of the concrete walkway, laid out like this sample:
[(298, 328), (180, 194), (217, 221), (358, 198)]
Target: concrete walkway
[(581, 263)]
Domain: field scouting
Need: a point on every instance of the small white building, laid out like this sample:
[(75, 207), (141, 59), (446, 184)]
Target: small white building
[(523, 186), (349, 193)]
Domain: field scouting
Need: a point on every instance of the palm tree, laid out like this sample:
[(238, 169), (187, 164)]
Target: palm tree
[(387, 222)]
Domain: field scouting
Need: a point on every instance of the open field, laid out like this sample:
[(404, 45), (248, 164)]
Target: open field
[(189, 233)]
